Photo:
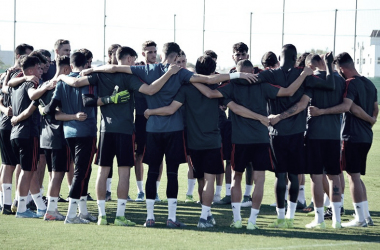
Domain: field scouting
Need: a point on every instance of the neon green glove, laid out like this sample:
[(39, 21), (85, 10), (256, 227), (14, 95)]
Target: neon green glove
[(117, 97)]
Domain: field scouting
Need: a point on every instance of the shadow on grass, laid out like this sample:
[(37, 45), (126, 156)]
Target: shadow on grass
[(189, 214)]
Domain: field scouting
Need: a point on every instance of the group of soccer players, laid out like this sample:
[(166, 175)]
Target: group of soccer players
[(287, 119)]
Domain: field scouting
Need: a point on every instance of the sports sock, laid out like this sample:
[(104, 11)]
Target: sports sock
[(102, 207), (109, 181), (280, 213), (286, 192), (342, 199), (29, 198), (248, 190), (83, 205), (326, 200), (254, 213), (72, 210), (121, 203), (366, 209), (291, 210), (319, 214), (52, 204), (205, 211), (1, 199), (7, 193), (218, 190), (21, 207), (228, 189), (301, 194), (39, 201), (236, 210), (42, 191), (359, 211), (335, 206), (190, 186), (172, 206), (209, 212), (157, 185), (150, 209), (140, 186)]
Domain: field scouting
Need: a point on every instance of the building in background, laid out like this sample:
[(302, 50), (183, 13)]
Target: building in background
[(368, 55), (6, 59)]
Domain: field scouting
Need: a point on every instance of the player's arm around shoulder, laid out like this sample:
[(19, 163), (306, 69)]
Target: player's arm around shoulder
[(247, 113), (289, 91), (206, 91), (163, 111)]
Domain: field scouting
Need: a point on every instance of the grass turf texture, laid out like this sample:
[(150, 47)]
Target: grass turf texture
[(39, 234)]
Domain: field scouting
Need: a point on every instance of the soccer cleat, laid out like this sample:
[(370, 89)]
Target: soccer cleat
[(252, 226), (316, 225), (149, 223), (7, 210), (342, 212), (102, 220), (216, 198), (89, 198), (309, 208), (108, 196), (174, 224), (41, 212), (328, 214), (278, 223), (290, 223), (60, 199), (75, 220), (211, 220), (189, 199), (27, 214), (369, 221), (88, 217), (236, 224), (355, 223), (336, 225), (140, 197), (247, 201), (55, 215), (157, 198), (301, 205), (14, 206), (31, 205), (202, 223), (122, 221), (129, 198), (224, 201)]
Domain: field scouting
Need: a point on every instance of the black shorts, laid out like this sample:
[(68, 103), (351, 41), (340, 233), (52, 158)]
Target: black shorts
[(115, 144), (26, 152), (354, 157), (58, 160), (7, 155), (226, 133), (140, 135), (289, 153), (207, 161), (170, 144), (322, 156), (259, 154)]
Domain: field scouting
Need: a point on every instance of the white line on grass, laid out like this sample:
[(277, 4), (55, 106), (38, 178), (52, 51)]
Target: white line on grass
[(318, 245)]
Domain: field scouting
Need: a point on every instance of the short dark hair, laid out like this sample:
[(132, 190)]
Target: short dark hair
[(87, 53), (301, 59), (29, 61), (170, 48), (344, 60), (269, 59), (181, 53), (148, 44), (112, 47), (44, 52), (21, 49), (40, 56), (239, 47), (205, 65), (210, 53), (58, 44), (312, 59), (78, 59), (289, 50), (63, 60), (123, 51), (244, 64)]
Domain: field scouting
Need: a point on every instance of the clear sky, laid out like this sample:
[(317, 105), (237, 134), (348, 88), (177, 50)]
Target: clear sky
[(308, 24)]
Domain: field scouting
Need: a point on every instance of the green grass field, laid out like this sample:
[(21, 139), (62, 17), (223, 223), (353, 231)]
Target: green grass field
[(39, 234)]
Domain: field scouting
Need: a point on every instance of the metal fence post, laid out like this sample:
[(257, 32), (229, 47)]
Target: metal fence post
[(104, 33), (250, 34), (336, 11)]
